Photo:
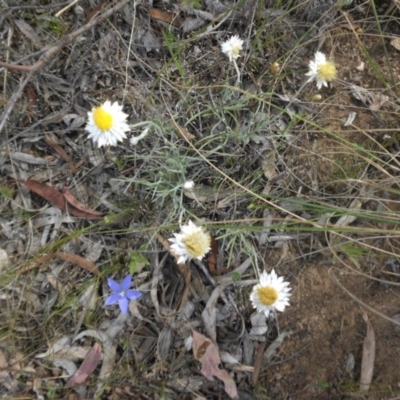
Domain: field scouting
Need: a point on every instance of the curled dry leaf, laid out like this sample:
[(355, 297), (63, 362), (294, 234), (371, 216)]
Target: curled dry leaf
[(65, 201), (72, 258), (368, 357), (205, 351), (78, 260), (78, 209), (89, 364)]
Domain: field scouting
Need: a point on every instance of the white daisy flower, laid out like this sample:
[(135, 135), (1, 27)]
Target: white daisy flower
[(107, 124), (192, 242), (272, 293), (232, 47), (321, 70)]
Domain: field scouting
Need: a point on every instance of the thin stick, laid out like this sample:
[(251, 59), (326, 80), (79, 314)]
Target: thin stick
[(10, 33), (14, 98), (49, 54)]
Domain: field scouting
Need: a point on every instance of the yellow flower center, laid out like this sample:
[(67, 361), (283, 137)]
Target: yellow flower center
[(236, 50), (197, 243), (327, 72), (267, 295), (102, 118)]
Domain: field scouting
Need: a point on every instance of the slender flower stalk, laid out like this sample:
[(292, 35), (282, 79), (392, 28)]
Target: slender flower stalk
[(232, 48)]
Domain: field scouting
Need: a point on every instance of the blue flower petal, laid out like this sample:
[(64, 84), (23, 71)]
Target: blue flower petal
[(123, 305), (126, 283), (133, 294), (114, 286), (112, 299)]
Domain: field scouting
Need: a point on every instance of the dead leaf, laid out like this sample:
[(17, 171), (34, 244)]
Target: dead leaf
[(58, 149), (374, 101), (212, 256), (163, 16), (32, 100), (28, 31), (56, 117), (164, 343), (77, 209), (5, 261), (258, 363), (359, 93), (395, 43), (209, 314), (78, 260), (95, 10), (368, 357), (379, 100), (87, 367), (259, 325), (47, 192), (65, 201), (345, 220), (29, 159), (184, 133), (212, 259), (205, 351), (69, 257)]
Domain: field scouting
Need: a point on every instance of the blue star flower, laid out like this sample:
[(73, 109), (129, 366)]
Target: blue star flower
[(121, 293)]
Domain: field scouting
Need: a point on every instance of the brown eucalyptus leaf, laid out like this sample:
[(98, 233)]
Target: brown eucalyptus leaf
[(89, 364), (47, 192), (78, 209), (78, 260), (205, 351), (163, 16)]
